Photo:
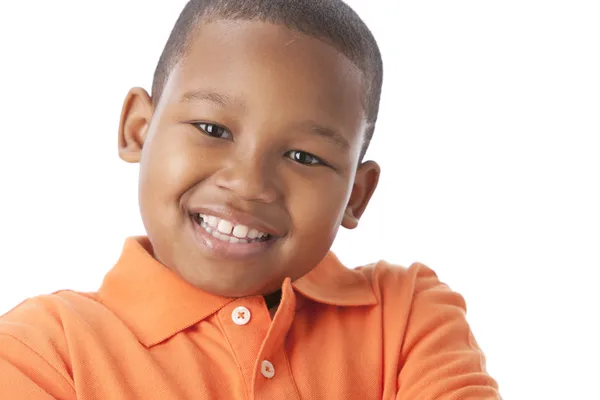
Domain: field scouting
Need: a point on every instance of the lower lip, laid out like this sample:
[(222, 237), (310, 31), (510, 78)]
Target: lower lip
[(220, 248)]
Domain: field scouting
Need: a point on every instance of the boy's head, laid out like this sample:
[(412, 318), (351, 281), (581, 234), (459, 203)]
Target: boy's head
[(251, 144)]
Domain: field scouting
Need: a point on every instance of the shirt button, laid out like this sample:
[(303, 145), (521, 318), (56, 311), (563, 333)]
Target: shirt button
[(267, 369), (240, 316)]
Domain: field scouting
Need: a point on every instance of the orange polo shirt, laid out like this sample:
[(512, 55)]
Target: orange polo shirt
[(374, 332)]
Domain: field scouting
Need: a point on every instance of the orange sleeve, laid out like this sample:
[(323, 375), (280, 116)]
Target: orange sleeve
[(24, 374), (30, 354), (440, 357)]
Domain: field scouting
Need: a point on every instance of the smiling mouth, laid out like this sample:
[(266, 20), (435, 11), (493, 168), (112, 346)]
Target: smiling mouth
[(230, 232)]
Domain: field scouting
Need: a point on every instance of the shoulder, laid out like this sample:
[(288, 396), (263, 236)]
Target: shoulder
[(385, 276), (43, 322), (416, 287), (38, 338), (49, 307)]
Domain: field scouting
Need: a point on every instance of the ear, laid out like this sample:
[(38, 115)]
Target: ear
[(133, 127), (365, 182)]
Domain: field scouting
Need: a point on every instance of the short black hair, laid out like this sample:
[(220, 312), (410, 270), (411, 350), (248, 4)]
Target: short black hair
[(331, 21)]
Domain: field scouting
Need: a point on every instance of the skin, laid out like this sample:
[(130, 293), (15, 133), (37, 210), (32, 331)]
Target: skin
[(260, 160)]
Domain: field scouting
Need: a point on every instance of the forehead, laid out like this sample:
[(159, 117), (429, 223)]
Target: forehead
[(270, 67)]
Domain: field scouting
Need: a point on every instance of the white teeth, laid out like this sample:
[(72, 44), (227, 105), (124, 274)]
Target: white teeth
[(234, 240), (221, 227), (225, 227), (206, 227), (212, 221), (240, 231)]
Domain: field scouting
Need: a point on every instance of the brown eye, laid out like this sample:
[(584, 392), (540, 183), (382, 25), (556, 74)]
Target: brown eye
[(304, 158), (215, 131)]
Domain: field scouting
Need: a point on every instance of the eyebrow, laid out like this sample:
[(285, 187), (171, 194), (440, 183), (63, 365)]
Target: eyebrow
[(206, 95), (308, 125), (325, 132)]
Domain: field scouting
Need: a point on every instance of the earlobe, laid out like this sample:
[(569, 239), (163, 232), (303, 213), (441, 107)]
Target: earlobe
[(365, 183), (350, 221), (133, 126)]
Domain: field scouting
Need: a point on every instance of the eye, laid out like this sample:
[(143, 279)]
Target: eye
[(304, 158), (214, 130)]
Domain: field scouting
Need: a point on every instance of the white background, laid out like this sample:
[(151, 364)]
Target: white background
[(489, 141)]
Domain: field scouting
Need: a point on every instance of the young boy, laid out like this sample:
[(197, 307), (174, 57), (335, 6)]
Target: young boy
[(251, 157)]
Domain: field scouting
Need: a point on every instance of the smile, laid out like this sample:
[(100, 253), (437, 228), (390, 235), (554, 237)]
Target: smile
[(228, 231)]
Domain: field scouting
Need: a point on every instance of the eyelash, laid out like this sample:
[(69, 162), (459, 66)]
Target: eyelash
[(208, 129)]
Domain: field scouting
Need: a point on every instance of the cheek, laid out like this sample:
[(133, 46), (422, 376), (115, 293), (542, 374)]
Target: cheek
[(317, 210), (169, 168)]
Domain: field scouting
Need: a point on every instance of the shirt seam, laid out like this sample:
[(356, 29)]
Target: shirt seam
[(234, 355), (42, 358), (289, 367)]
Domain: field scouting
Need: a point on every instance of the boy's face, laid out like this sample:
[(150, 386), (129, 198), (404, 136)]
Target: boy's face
[(258, 126)]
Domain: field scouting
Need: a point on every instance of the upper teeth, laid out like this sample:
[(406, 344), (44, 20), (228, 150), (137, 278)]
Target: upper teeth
[(227, 227)]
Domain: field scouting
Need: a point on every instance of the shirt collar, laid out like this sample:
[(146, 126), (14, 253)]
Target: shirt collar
[(155, 303)]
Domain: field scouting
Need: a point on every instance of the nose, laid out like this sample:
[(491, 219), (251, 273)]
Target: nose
[(249, 179)]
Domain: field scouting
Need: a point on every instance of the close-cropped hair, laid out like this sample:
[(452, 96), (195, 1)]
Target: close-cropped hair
[(331, 21)]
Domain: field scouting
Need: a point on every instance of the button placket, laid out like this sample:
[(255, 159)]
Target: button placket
[(272, 361), (245, 323)]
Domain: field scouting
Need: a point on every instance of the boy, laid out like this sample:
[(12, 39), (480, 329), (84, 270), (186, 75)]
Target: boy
[(251, 157)]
